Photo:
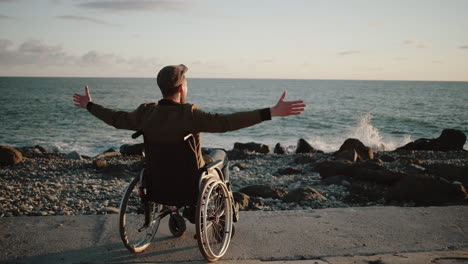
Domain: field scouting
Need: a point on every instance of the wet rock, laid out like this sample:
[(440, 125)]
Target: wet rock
[(304, 147), (242, 199), (135, 149), (303, 194), (252, 147), (264, 191), (350, 145), (449, 140), (279, 149), (73, 156), (10, 156), (361, 192), (348, 154), (427, 190), (289, 171)]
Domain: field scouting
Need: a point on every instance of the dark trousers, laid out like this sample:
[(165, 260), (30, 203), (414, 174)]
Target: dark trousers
[(219, 154)]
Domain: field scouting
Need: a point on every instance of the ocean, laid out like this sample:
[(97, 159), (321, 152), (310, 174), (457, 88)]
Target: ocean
[(382, 114)]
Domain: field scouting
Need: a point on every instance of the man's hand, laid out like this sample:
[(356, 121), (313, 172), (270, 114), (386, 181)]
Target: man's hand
[(284, 108), (82, 100)]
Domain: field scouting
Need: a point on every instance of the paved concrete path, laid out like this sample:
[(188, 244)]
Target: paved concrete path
[(391, 234)]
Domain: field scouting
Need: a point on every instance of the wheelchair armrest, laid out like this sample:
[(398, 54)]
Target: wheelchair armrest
[(213, 165)]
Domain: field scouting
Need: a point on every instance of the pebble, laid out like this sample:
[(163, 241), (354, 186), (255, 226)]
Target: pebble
[(50, 185)]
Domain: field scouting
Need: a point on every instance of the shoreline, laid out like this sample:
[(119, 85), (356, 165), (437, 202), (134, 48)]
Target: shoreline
[(54, 184)]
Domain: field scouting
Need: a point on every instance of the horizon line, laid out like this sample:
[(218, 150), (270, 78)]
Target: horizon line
[(231, 78)]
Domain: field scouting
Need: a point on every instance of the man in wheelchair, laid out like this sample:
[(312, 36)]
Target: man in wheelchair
[(172, 138)]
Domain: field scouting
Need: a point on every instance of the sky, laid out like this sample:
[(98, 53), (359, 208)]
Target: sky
[(274, 39)]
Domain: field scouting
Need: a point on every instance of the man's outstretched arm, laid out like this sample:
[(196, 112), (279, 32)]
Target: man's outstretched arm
[(219, 123), (117, 119)]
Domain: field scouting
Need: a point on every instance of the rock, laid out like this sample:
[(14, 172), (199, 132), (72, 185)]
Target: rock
[(279, 149), (237, 154), (387, 158), (48, 149), (99, 164), (51, 198), (333, 168), (361, 192), (348, 154), (112, 171), (427, 190), (351, 144), (303, 194), (304, 158), (108, 155), (242, 199), (289, 171), (109, 210), (10, 156), (373, 172), (252, 147), (111, 150), (414, 169), (135, 149), (240, 165), (264, 191), (333, 180), (449, 172), (304, 147), (73, 156), (449, 140), (28, 151)]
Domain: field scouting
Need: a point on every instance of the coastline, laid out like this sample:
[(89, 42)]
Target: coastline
[(56, 184)]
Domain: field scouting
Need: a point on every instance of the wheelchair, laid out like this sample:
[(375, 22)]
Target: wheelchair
[(171, 181)]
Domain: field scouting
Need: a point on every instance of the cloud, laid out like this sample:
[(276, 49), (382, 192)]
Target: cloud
[(134, 5), (266, 61), (88, 19), (416, 43), (37, 53), (463, 47), (348, 52), (7, 1), (5, 17)]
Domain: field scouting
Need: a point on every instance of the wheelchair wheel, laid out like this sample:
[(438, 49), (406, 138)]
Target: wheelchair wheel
[(214, 219), (177, 225), (135, 233)]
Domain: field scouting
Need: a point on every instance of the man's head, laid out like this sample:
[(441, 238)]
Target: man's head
[(171, 79)]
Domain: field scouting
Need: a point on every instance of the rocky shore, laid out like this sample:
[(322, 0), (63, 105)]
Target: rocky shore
[(36, 182)]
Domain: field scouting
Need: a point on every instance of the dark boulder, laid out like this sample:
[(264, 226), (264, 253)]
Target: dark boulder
[(252, 147), (427, 190), (450, 172), (373, 172), (136, 149), (304, 147), (303, 194), (279, 149), (353, 149), (264, 191), (361, 192), (337, 180), (10, 156), (449, 140), (333, 168), (289, 171)]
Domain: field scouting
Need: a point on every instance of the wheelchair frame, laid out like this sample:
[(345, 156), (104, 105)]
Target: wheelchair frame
[(214, 215)]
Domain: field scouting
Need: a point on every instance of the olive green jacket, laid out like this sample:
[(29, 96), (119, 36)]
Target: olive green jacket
[(167, 121)]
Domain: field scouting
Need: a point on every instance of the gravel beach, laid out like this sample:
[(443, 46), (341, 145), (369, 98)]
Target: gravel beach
[(59, 184)]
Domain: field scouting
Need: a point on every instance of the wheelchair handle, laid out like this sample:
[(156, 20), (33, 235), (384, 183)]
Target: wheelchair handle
[(137, 134)]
